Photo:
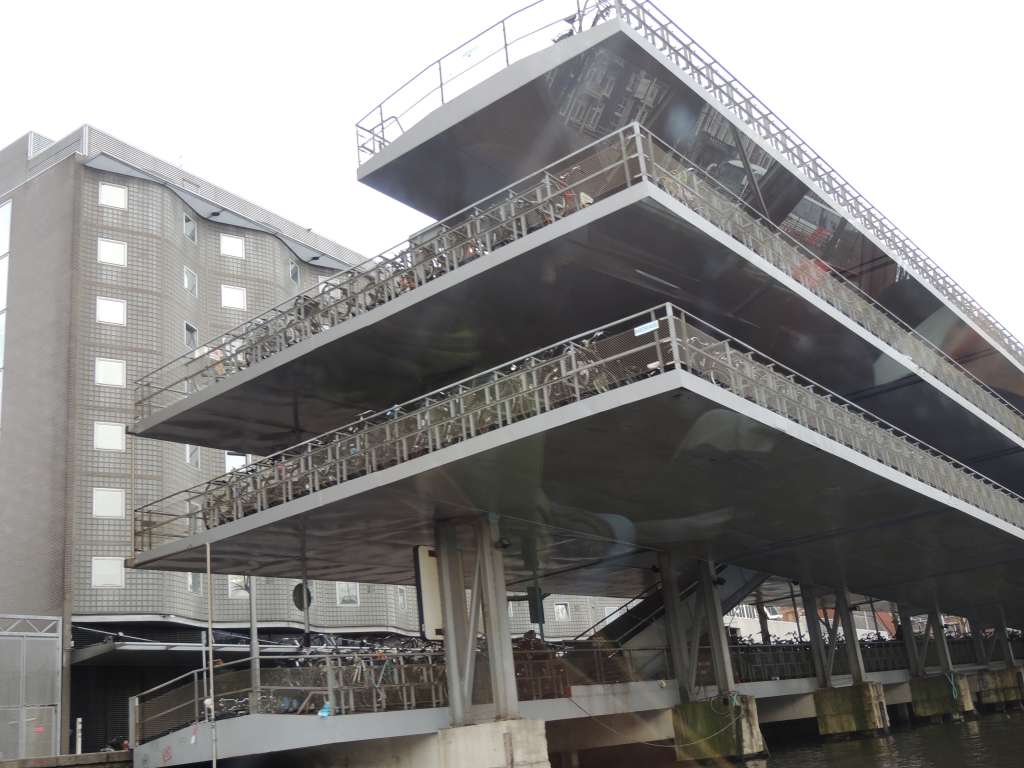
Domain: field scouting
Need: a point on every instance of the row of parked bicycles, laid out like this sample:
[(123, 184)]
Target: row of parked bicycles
[(426, 257), (542, 382)]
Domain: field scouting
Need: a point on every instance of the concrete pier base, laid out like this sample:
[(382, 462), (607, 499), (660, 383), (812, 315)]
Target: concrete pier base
[(519, 743), (723, 727), (1000, 688), (941, 696), (855, 709)]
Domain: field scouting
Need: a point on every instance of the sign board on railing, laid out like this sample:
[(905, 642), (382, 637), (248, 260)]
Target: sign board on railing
[(428, 593)]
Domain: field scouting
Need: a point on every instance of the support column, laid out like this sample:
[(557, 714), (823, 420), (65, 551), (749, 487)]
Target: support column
[(762, 620), (1003, 687), (946, 695), (820, 659), (481, 737), (853, 654), (675, 624), (254, 651), (855, 709), (720, 658), (914, 660), (708, 729), (499, 641)]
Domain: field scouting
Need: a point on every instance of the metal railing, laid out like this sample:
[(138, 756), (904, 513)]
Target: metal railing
[(595, 172), (354, 683), (488, 52), (660, 340)]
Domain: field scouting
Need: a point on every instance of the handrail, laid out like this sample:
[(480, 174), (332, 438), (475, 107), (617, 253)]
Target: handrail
[(644, 17), (662, 339), (597, 171)]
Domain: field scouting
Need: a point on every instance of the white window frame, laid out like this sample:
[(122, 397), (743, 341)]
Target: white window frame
[(124, 311), (99, 493), (117, 583), (223, 302), (401, 599), (124, 372), (189, 453), (185, 272), (338, 586), (123, 248), (294, 274), (237, 589), (185, 334), (231, 250), (555, 612), (228, 467), (97, 429), (185, 219), (123, 191), (194, 583)]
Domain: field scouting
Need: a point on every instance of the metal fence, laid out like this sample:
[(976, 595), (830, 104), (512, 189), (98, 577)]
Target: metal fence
[(662, 339), (532, 28), (346, 684), (593, 173)]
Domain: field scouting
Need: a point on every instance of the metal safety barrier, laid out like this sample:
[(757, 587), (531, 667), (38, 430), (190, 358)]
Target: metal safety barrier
[(353, 683), (598, 171), (530, 29), (660, 340)]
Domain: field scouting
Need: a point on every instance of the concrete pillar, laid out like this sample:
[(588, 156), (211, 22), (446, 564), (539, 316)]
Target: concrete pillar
[(500, 744), (914, 660), (725, 726), (948, 694), (857, 708), (254, 651), (853, 653), (717, 639), (675, 624), (1003, 637), (499, 640), (822, 669), (456, 628)]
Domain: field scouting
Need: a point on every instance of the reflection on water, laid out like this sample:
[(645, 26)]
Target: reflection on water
[(994, 741)]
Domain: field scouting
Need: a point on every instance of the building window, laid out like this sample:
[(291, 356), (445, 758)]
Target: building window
[(511, 610), (232, 297), (561, 611), (111, 311), (5, 228), (346, 593), (194, 583), (234, 460), (110, 372), (401, 599), (111, 252), (108, 502), (188, 226), (238, 587), (231, 245), (108, 436), (190, 282), (108, 572), (191, 335), (192, 455), (113, 195), (293, 273)]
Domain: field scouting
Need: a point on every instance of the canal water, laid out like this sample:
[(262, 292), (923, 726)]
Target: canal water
[(991, 741)]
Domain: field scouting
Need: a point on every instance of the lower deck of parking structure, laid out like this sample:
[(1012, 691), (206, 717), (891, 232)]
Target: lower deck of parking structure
[(593, 717)]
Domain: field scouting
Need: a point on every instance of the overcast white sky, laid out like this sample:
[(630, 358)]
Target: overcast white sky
[(916, 102)]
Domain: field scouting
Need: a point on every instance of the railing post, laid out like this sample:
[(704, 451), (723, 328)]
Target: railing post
[(504, 37), (440, 79), (641, 160), (673, 336), (133, 722)]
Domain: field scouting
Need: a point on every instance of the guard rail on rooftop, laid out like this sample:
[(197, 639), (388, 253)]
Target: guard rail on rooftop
[(662, 340), (540, 23), (595, 172)]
